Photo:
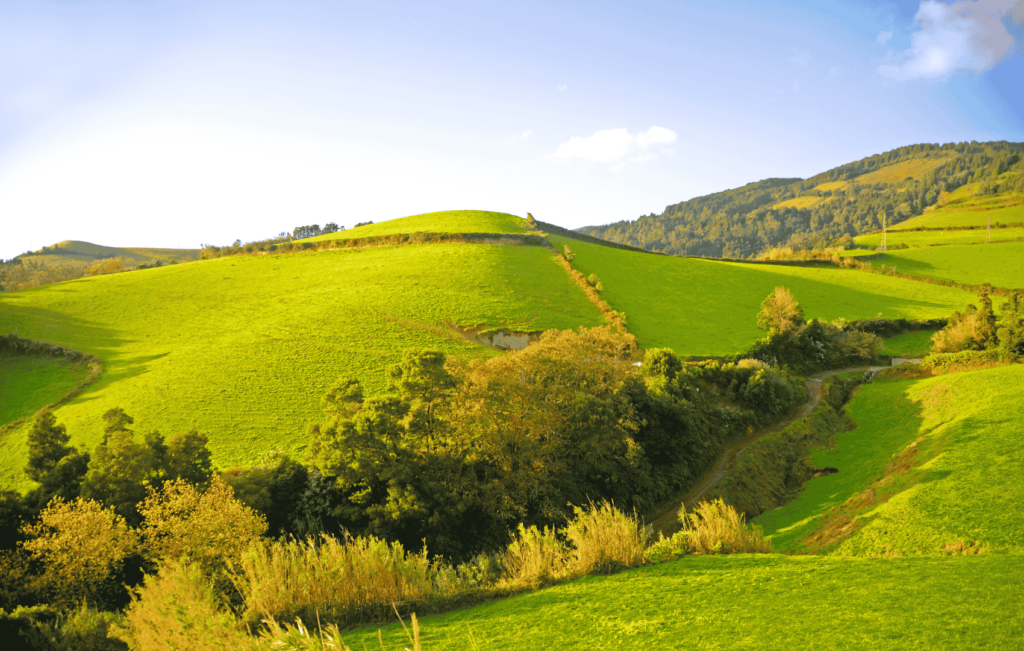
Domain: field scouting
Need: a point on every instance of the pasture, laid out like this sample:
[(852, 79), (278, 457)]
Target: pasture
[(748, 602), (451, 221), (934, 238), (27, 384), (933, 463), (243, 348), (1002, 265), (708, 307)]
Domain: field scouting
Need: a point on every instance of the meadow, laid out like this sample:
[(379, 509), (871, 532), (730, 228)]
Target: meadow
[(450, 221), (1002, 265), (27, 384), (707, 307), (82, 254), (749, 602), (914, 343), (244, 347), (1007, 209), (933, 462), (934, 238)]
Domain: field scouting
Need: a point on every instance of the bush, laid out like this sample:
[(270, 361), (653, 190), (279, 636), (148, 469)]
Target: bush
[(713, 528), (604, 539), (177, 609), (534, 556), (82, 629)]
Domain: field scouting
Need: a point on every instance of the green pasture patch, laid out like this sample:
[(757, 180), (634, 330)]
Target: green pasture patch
[(933, 238), (945, 217), (244, 347), (756, 602), (27, 384), (706, 307), (959, 484), (1002, 265), (915, 343), (450, 221)]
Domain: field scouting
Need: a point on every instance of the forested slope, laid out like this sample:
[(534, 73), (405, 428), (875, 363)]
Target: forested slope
[(815, 212)]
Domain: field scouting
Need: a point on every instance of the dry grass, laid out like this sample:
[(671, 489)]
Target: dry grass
[(534, 556), (713, 528), (605, 539), (345, 581)]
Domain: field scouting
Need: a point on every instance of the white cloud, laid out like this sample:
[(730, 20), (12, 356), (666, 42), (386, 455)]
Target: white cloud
[(961, 35), (562, 87), (883, 38), (611, 145)]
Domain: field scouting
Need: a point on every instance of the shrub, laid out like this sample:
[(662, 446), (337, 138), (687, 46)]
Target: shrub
[(177, 609), (604, 539), (348, 581), (534, 556), (81, 546), (82, 629), (713, 528)]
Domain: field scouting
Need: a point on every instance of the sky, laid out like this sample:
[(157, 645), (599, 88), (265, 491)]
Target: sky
[(174, 124)]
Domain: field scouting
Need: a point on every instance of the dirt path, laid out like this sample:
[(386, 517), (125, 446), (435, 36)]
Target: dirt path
[(666, 520)]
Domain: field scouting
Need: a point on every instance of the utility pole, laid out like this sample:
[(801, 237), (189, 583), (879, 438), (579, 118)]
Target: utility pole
[(883, 246)]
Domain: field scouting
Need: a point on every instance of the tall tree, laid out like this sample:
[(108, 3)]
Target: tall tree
[(47, 445), (780, 312)]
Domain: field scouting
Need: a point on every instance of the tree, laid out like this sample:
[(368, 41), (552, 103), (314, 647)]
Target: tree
[(47, 445), (1011, 326), (189, 459), (210, 528), (118, 473), (116, 421), (780, 312), (81, 546)]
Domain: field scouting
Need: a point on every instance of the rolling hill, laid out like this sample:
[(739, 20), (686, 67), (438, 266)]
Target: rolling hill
[(82, 254), (244, 347), (919, 185)]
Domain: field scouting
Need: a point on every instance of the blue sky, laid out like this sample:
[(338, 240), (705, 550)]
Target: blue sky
[(177, 123)]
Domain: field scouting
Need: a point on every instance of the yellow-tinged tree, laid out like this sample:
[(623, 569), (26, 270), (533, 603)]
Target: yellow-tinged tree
[(780, 312), (81, 546), (209, 528)]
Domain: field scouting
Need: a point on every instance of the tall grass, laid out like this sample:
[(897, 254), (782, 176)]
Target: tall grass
[(347, 581), (605, 539), (712, 528)]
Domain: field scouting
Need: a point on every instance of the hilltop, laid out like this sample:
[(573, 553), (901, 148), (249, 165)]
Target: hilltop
[(82, 254), (918, 185)]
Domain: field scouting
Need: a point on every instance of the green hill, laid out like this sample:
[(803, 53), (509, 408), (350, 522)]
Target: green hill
[(845, 201), (452, 221), (939, 237), (244, 347), (82, 254), (708, 307), (933, 463)]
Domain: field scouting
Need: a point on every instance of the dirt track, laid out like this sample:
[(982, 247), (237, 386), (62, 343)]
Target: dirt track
[(667, 520)]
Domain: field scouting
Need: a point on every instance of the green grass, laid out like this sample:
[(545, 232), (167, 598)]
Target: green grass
[(1002, 265), (929, 238), (916, 343), (75, 253), (451, 221), (960, 483), (245, 347), (749, 602), (706, 307), (27, 384), (949, 216)]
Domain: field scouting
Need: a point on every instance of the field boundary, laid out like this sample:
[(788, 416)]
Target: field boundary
[(13, 345)]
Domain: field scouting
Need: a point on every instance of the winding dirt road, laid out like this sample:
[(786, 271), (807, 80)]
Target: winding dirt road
[(667, 520)]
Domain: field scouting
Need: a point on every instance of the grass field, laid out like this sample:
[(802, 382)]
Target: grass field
[(965, 215), (706, 307), (245, 347), (27, 384), (897, 172), (916, 343), (451, 221), (959, 483), (800, 203), (749, 602), (974, 264), (928, 238)]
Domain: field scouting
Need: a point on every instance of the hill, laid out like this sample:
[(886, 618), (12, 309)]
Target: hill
[(1002, 265), (933, 463), (845, 201), (708, 307), (451, 221), (244, 347), (82, 254)]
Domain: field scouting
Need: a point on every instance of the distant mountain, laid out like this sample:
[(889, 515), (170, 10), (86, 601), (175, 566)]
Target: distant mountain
[(822, 210)]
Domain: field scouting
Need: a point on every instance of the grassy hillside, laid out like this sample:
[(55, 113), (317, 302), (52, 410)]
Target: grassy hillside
[(960, 481), (245, 347), (28, 384), (965, 207), (82, 254), (706, 307), (749, 602), (451, 221), (932, 238), (974, 264)]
